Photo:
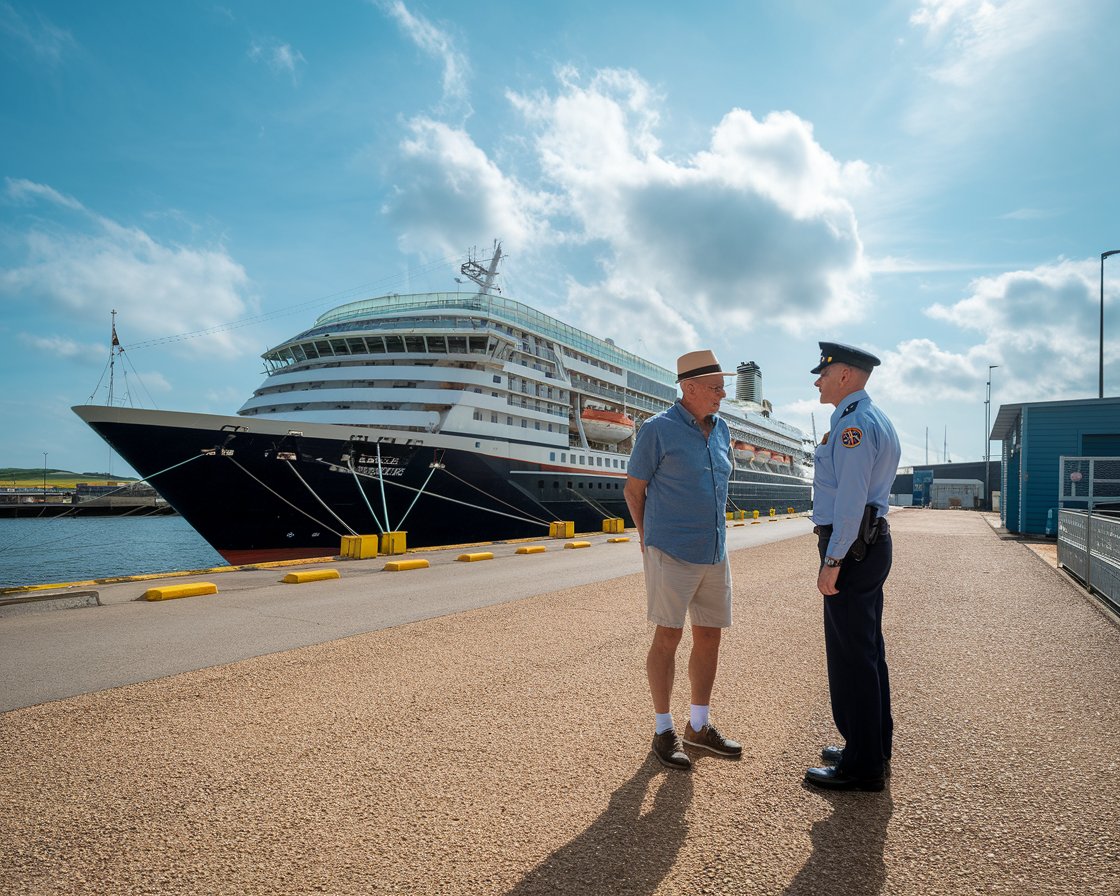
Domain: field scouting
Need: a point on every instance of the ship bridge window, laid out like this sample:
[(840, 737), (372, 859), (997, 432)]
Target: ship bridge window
[(308, 351), (323, 347), (394, 344), (339, 347), (457, 344), (376, 344), (437, 345), (414, 344), (356, 345)]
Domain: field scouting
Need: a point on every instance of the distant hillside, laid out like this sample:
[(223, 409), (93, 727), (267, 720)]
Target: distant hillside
[(24, 477)]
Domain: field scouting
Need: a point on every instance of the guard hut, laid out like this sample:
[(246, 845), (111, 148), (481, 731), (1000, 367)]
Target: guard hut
[(1035, 437)]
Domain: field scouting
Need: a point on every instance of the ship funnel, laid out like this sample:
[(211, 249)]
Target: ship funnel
[(748, 382)]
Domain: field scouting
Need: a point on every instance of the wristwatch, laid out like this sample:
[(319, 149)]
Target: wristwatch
[(832, 561)]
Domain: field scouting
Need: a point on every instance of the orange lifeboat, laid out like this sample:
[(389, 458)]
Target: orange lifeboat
[(744, 453), (762, 456), (609, 427)]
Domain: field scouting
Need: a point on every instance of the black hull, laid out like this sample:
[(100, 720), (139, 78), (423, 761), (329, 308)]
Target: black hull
[(257, 496)]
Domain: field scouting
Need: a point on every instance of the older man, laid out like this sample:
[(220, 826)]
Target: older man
[(853, 469), (677, 494)]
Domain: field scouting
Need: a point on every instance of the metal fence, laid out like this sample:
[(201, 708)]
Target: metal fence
[(1089, 522), (1089, 547)]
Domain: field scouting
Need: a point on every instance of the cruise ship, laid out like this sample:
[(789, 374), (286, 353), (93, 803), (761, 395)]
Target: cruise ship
[(453, 417)]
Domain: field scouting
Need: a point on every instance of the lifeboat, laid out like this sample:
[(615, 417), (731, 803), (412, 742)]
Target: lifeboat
[(762, 456), (782, 460), (609, 427), (744, 453)]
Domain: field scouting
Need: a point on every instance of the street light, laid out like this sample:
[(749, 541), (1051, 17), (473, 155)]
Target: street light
[(988, 439), (1104, 255)]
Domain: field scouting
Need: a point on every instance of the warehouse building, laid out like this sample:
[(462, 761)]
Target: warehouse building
[(1035, 436), (914, 486)]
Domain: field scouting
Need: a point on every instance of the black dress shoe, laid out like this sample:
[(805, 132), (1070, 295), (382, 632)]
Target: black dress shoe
[(835, 754), (833, 778)]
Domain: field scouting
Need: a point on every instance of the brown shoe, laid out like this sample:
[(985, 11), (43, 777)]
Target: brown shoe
[(670, 752), (709, 738)]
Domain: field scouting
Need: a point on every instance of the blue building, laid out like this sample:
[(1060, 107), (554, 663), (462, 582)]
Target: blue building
[(1034, 436)]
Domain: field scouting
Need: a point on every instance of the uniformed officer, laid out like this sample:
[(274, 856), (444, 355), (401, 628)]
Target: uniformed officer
[(854, 467)]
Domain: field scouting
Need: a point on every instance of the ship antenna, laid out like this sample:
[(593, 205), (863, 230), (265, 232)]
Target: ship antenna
[(484, 277)]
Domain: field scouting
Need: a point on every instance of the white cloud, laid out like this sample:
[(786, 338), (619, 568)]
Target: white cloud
[(755, 227), (1040, 326), (984, 59), (450, 195), (278, 56), (64, 347), (84, 265), (437, 44), (47, 41)]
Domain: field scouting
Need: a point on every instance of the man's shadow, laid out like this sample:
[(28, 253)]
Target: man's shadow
[(623, 851), (847, 855)]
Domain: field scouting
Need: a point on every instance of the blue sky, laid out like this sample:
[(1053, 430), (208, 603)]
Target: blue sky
[(934, 180)]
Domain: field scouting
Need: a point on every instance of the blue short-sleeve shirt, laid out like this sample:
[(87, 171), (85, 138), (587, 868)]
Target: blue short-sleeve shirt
[(687, 476), (855, 466)]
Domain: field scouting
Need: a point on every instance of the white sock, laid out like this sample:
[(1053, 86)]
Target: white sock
[(663, 721), (699, 717)]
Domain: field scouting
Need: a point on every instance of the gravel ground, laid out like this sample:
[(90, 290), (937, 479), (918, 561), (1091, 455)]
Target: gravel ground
[(506, 751)]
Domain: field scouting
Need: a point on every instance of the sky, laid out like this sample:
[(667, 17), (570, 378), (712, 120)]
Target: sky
[(931, 180)]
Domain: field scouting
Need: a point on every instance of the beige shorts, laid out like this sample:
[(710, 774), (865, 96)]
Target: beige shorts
[(675, 588)]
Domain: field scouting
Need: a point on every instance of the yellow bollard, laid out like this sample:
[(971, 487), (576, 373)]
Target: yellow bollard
[(394, 542), (561, 529), (359, 547)]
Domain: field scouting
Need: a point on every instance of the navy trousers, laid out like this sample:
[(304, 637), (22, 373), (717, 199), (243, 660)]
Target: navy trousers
[(858, 682)]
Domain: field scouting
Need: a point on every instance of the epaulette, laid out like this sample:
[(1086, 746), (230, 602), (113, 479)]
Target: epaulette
[(849, 409)]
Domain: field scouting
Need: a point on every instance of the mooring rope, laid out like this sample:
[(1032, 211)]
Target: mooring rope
[(499, 500), (410, 488), (431, 471), (594, 506), (285, 500), (357, 482), (345, 524)]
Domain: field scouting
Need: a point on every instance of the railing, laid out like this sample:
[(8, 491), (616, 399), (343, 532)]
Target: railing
[(1089, 547)]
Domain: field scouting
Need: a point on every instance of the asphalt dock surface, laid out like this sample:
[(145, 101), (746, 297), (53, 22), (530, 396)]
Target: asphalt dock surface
[(503, 748)]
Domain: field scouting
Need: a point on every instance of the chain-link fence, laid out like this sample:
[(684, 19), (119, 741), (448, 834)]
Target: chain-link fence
[(1089, 522)]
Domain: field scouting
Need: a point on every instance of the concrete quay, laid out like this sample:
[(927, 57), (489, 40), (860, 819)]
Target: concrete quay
[(503, 748)]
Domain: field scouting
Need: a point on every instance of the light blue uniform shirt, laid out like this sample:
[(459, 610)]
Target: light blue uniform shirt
[(687, 476), (854, 468)]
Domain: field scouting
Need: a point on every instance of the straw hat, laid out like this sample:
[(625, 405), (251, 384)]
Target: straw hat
[(701, 363)]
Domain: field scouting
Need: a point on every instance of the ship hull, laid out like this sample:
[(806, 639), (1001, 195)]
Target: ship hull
[(267, 490)]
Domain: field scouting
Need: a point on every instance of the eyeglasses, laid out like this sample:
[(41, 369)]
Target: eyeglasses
[(718, 390)]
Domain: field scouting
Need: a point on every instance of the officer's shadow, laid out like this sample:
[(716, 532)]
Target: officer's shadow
[(848, 846), (624, 850)]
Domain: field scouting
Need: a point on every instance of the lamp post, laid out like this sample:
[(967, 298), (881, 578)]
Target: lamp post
[(988, 438), (44, 473), (1104, 255)]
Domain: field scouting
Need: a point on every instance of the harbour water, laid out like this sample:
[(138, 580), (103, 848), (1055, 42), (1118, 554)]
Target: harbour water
[(69, 549)]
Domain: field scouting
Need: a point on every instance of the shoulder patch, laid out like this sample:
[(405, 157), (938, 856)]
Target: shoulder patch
[(851, 437), (850, 408)]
